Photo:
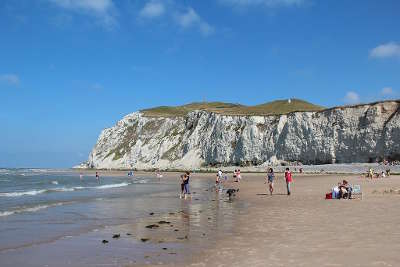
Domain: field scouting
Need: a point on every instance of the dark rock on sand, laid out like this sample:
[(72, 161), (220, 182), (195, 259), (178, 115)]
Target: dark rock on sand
[(116, 236), (144, 239), (176, 230), (164, 222), (104, 241), (151, 213), (164, 248), (128, 234), (151, 226)]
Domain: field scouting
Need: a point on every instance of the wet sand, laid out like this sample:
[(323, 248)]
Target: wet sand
[(307, 230)]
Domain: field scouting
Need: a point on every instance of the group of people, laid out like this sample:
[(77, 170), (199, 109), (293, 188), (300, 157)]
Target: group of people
[(342, 191), (97, 177), (372, 174), (271, 177)]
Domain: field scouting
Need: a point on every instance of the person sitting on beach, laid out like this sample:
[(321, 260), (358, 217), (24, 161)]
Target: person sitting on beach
[(345, 190), (335, 191), (387, 172)]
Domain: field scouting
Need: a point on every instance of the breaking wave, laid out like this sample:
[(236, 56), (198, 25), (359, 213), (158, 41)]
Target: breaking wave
[(60, 189)]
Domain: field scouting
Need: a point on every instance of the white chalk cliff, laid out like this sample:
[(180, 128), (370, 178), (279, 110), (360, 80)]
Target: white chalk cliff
[(361, 133)]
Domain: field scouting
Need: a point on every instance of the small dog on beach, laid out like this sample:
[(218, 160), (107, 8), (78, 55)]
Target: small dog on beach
[(231, 192)]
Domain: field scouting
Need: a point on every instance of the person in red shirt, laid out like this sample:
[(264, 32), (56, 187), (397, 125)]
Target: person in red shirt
[(289, 180)]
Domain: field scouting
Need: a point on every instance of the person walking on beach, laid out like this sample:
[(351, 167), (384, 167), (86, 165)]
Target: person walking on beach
[(289, 180), (238, 175), (186, 184), (217, 184), (270, 180), (182, 185), (97, 177), (220, 174)]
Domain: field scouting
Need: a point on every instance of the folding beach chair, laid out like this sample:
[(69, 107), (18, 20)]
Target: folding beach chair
[(356, 192)]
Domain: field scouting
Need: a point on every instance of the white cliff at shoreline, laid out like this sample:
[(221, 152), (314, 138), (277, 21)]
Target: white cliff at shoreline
[(361, 133)]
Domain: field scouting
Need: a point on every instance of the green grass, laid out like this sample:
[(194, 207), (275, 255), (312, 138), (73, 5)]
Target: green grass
[(271, 108)]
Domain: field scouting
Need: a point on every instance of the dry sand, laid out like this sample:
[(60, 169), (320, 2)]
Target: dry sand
[(304, 229)]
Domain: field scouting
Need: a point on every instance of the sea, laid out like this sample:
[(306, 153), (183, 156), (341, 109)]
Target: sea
[(53, 217)]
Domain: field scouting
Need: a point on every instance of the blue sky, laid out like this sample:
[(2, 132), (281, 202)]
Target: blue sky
[(69, 68)]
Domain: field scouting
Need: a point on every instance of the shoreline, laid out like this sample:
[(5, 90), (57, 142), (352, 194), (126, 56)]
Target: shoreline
[(345, 168)]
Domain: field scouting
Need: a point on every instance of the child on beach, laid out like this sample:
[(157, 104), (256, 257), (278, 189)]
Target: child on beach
[(289, 180), (217, 185), (270, 180)]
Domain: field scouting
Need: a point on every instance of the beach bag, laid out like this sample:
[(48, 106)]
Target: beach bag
[(328, 195)]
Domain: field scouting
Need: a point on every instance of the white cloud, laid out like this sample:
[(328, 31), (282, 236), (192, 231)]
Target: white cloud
[(387, 50), (265, 3), (191, 19), (10, 79), (101, 9), (152, 9), (352, 98)]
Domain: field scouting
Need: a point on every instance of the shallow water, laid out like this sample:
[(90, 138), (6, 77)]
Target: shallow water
[(53, 217)]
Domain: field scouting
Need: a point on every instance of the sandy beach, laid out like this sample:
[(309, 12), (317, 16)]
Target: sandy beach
[(307, 230), (253, 229)]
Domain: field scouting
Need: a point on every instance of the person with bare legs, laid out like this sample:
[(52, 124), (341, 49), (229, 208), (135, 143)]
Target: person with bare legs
[(289, 180), (270, 180)]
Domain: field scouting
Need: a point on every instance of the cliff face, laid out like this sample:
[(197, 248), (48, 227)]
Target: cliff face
[(339, 135)]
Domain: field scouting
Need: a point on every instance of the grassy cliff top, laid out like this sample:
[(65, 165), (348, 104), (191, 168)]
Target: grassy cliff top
[(271, 108)]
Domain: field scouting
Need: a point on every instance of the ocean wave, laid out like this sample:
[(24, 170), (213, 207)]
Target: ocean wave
[(29, 209), (23, 193), (60, 189), (54, 182), (140, 181), (107, 186)]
